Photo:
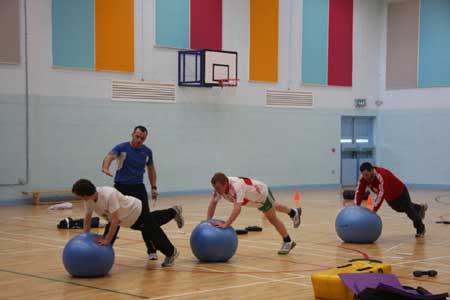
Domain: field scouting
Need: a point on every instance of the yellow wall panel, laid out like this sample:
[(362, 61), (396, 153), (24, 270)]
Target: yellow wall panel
[(264, 40), (114, 35)]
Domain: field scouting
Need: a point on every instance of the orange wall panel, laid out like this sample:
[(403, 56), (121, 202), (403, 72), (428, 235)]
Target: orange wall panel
[(114, 35), (264, 40)]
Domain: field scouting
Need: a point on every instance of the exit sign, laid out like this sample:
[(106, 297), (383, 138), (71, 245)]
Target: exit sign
[(360, 102)]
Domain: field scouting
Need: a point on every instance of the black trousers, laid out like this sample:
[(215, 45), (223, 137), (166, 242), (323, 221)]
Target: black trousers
[(150, 226), (404, 204), (138, 191), (135, 190)]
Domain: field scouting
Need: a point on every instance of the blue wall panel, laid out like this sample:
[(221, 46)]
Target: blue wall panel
[(172, 23), (73, 33), (315, 42), (434, 47)]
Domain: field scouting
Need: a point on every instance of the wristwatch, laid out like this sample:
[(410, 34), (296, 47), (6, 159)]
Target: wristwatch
[(154, 188)]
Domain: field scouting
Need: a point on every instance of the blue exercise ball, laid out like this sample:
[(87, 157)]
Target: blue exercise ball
[(356, 224), (212, 244), (83, 257)]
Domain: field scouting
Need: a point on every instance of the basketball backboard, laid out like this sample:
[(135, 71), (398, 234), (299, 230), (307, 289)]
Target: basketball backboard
[(207, 68)]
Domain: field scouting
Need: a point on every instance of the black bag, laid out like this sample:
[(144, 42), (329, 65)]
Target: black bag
[(386, 292), (350, 195), (69, 223)]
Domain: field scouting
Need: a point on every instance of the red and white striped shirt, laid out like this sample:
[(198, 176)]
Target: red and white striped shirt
[(248, 192), (385, 184)]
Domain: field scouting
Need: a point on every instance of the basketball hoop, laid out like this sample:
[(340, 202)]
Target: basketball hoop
[(207, 68), (227, 82)]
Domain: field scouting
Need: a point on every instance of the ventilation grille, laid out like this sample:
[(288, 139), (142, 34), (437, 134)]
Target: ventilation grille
[(276, 98), (142, 91)]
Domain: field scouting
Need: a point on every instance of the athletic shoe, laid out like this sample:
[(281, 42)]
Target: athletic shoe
[(286, 247), (153, 256), (420, 233), (296, 219), (423, 209), (179, 215), (170, 260)]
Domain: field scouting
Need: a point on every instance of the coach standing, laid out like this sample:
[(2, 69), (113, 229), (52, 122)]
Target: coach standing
[(133, 158)]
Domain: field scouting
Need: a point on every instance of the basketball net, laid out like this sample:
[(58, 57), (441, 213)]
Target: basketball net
[(227, 82)]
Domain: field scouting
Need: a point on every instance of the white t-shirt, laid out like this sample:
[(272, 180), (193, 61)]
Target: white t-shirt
[(110, 200), (248, 192)]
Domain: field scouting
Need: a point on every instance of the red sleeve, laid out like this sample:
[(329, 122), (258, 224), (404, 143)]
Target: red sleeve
[(377, 206), (360, 189), (380, 196)]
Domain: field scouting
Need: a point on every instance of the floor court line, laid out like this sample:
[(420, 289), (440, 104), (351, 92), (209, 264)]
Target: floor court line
[(275, 249), (78, 230), (439, 270), (265, 270), (393, 247), (266, 280), (22, 252), (72, 283), (258, 277), (39, 220), (247, 267), (421, 260), (303, 247), (32, 236), (221, 271), (140, 251), (54, 246), (204, 291), (303, 253), (27, 226), (59, 247), (207, 291), (250, 256), (272, 243), (31, 242)]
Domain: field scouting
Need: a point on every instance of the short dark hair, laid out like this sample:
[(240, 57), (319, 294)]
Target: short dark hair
[(83, 187), (141, 128), (366, 166), (219, 177)]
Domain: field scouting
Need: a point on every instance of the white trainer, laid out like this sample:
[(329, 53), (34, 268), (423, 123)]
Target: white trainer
[(170, 260), (286, 247), (179, 216), (297, 218)]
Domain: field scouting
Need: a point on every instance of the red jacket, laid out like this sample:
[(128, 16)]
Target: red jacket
[(385, 184)]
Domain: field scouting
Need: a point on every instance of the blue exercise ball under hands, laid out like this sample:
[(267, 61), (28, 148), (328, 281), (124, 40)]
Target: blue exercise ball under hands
[(212, 244), (83, 257), (356, 224)]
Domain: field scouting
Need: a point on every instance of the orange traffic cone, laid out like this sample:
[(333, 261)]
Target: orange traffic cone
[(369, 202), (297, 198)]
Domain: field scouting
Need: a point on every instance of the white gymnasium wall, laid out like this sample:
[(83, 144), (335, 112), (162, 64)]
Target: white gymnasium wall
[(73, 122), (413, 126), (406, 98), (160, 64), (12, 122)]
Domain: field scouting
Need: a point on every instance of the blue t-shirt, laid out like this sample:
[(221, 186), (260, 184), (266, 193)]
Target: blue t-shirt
[(131, 163)]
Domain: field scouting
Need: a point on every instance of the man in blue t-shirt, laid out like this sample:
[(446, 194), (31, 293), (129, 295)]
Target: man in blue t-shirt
[(133, 158)]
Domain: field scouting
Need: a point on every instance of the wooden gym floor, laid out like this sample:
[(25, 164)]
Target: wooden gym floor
[(31, 249)]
